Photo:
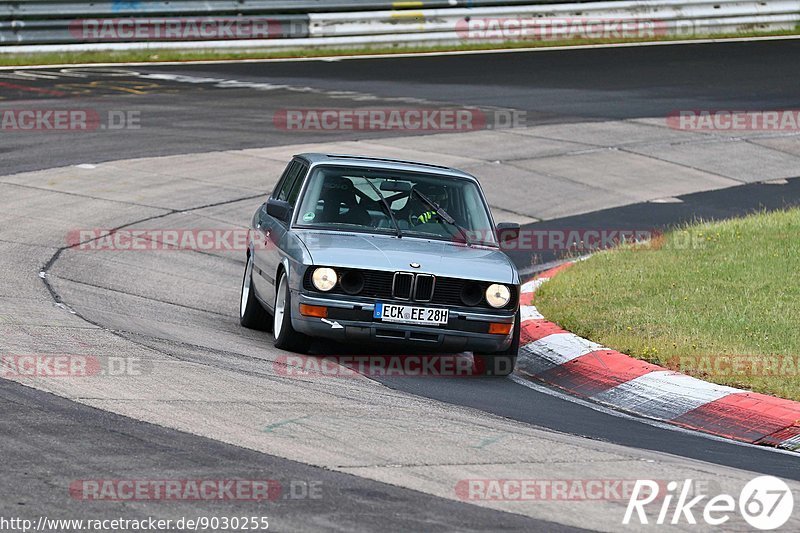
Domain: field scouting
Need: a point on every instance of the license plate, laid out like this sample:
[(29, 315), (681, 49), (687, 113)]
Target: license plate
[(406, 314)]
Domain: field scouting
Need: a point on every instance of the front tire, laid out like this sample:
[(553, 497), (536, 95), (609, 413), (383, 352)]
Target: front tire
[(251, 314), (286, 338), (500, 363)]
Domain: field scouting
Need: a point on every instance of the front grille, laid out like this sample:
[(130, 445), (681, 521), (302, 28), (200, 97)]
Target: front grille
[(423, 288), (377, 284), (403, 285), (448, 291), (382, 285)]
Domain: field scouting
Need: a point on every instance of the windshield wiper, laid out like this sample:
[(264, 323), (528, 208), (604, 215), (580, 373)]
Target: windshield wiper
[(444, 215), (386, 205)]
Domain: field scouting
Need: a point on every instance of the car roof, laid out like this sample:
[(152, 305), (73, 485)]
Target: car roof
[(382, 162)]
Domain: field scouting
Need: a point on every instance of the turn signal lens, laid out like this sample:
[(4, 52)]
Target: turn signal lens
[(314, 310), (500, 329), (324, 279)]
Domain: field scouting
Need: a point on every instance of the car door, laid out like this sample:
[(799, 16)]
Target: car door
[(272, 232)]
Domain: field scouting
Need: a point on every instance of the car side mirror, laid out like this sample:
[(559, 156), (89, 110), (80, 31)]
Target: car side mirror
[(507, 232), (279, 209)]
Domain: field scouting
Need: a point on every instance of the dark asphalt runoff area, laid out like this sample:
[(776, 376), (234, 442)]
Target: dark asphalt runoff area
[(48, 441)]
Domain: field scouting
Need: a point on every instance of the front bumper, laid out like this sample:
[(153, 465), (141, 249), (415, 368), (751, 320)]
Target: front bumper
[(351, 320)]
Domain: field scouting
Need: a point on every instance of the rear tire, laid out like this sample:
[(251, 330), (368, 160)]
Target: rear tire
[(251, 313), (500, 363), (286, 338)]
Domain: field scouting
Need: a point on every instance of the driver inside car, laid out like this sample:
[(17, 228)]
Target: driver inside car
[(420, 211)]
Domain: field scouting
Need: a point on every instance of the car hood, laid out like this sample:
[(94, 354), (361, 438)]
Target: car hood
[(384, 252)]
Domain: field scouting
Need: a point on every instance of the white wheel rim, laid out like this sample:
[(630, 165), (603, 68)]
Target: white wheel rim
[(248, 274), (280, 307)]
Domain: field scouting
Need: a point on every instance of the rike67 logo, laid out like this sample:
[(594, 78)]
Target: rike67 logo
[(766, 503)]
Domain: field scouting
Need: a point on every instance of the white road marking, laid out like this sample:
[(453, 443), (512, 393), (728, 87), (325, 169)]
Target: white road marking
[(529, 312), (664, 394), (533, 285), (642, 420), (560, 348)]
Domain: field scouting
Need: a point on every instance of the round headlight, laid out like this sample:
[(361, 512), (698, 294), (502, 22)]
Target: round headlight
[(498, 295), (324, 279)]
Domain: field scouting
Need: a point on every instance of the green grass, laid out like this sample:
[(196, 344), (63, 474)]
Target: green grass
[(702, 291), (267, 53)]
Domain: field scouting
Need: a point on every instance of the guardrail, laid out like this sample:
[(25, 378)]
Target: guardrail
[(27, 9), (665, 17), (300, 23)]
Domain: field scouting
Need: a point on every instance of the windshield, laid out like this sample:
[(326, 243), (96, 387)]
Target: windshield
[(350, 198)]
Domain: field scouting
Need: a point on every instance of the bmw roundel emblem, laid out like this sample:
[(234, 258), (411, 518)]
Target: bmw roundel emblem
[(414, 265)]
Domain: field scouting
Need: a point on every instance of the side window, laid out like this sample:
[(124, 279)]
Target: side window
[(288, 182), (282, 189), (285, 180), (298, 182)]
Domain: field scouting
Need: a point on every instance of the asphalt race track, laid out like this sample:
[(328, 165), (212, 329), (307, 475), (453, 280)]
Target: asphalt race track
[(591, 150), (567, 86), (105, 442)]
